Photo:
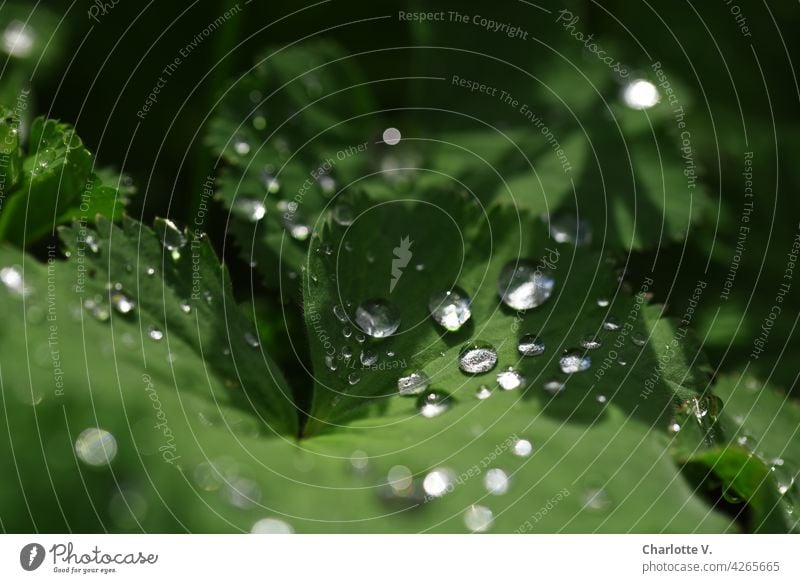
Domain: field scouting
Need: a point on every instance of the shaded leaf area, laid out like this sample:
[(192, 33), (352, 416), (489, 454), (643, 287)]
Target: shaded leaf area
[(51, 181)]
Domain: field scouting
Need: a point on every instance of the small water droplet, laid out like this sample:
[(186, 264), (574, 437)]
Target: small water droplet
[(478, 518), (567, 228), (340, 314), (596, 500), (150, 271), (172, 238), (347, 353), (122, 303), (510, 379), (496, 482), (330, 362), (96, 307), (413, 384), (640, 94), (185, 307), (574, 361), (523, 286), (603, 302), (638, 339), (590, 342), (522, 448), (327, 184), (554, 386), (530, 345), (359, 461), (433, 404), (343, 215), (602, 399), (96, 447), (353, 378), (251, 340), (13, 280), (368, 357), (360, 338), (249, 209), (271, 526), (611, 323), (154, 333), (347, 332), (241, 147), (391, 136), (450, 309), (377, 318), (477, 358), (483, 393), (92, 243), (18, 39), (438, 482)]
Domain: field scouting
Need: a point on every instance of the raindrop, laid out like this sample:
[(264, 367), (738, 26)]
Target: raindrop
[(96, 447), (602, 399), (496, 482), (433, 404), (478, 518), (92, 243), (638, 339), (96, 307), (13, 280), (510, 379), (340, 314), (530, 345), (438, 482), (251, 339), (347, 353), (360, 338), (596, 500), (603, 302), (413, 384), (271, 526), (554, 386), (154, 333), (343, 215), (574, 361), (241, 147), (368, 357), (611, 323), (640, 94), (327, 184), (477, 358), (172, 238), (522, 448), (353, 378), (347, 332), (185, 307), (400, 479), (378, 318), (523, 286), (590, 342), (122, 303), (249, 209), (330, 362), (151, 271), (483, 393), (568, 228), (391, 136), (450, 309)]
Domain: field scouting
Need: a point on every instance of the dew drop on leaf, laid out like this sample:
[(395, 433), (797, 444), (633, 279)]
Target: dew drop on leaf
[(413, 384), (433, 403), (574, 361), (271, 526), (478, 518), (510, 379), (377, 318), (496, 482), (522, 286), (522, 448), (249, 209), (96, 447), (438, 482), (530, 345), (450, 309)]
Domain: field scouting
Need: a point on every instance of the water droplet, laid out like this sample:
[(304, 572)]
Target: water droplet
[(92, 243), (640, 94), (155, 333), (18, 39), (611, 323), (603, 302), (360, 338), (590, 342), (353, 378), (368, 357), (330, 362), (638, 339), (340, 314), (483, 393), (391, 136), (172, 238), (122, 303), (510, 379), (271, 526), (522, 448), (478, 518), (450, 309), (347, 353), (241, 147), (96, 307), (378, 318), (674, 427), (96, 447), (602, 399), (420, 267), (347, 332), (185, 307), (574, 361), (13, 280), (413, 384), (251, 340), (567, 228), (554, 386), (359, 460), (249, 209), (433, 404), (596, 500), (477, 358), (242, 492), (530, 345), (496, 482), (150, 271), (438, 482), (523, 286), (327, 184), (343, 215), (400, 479)]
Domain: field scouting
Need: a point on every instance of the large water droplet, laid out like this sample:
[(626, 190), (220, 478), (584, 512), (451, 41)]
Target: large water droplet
[(172, 238), (434, 403), (249, 209), (496, 482), (271, 526), (96, 447), (413, 384), (523, 286), (450, 309), (478, 518), (574, 361), (438, 482), (510, 379), (377, 318), (477, 358), (530, 345)]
